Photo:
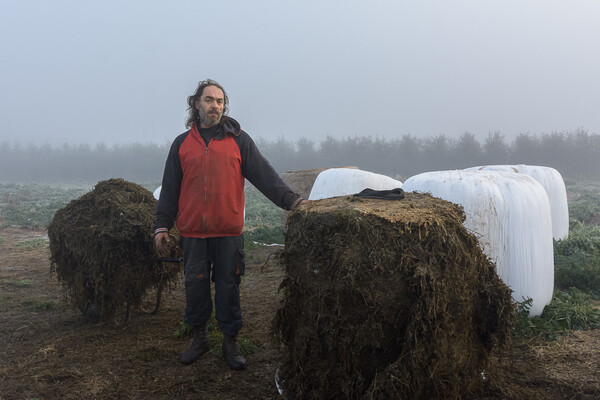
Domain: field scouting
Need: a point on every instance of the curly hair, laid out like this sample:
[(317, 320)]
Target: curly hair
[(193, 113)]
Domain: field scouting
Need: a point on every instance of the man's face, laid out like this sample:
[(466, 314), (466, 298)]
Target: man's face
[(210, 106)]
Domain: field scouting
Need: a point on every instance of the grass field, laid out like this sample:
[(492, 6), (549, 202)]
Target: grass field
[(32, 206)]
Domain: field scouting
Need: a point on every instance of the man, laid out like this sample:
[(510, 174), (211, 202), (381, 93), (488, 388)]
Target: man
[(203, 189)]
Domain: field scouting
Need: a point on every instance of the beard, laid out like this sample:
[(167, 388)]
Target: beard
[(209, 119)]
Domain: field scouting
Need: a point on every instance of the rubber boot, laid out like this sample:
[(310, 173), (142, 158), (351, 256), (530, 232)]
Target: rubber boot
[(200, 345), (232, 353)]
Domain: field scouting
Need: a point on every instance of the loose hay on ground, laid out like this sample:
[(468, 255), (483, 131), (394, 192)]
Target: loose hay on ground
[(102, 249), (387, 299)]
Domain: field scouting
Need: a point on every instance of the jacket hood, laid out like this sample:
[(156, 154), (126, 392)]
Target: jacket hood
[(230, 125)]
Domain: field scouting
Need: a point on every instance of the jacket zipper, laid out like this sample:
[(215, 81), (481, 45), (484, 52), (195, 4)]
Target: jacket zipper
[(205, 188)]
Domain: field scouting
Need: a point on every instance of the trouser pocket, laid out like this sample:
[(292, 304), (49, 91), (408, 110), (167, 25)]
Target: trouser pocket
[(198, 271), (195, 258), (235, 260)]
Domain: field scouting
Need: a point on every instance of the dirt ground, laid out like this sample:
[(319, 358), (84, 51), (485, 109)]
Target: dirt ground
[(48, 350)]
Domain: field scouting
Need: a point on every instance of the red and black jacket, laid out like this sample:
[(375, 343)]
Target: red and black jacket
[(203, 184)]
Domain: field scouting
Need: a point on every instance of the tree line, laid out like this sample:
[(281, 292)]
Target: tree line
[(571, 153)]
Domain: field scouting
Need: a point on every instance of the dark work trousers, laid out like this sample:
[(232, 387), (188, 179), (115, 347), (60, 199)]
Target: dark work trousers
[(221, 260)]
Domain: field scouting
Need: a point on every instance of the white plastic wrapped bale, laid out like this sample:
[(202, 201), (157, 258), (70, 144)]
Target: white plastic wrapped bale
[(554, 185), (345, 181), (511, 215)]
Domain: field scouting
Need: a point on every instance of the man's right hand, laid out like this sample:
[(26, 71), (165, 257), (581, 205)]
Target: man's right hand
[(160, 239)]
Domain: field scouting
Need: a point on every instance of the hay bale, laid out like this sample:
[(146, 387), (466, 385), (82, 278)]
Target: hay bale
[(387, 300), (102, 249)]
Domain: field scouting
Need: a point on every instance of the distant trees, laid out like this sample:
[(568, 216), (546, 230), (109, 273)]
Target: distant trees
[(571, 153), (81, 163), (574, 153), (468, 152), (495, 150), (525, 147)]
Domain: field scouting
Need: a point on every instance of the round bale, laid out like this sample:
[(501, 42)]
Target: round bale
[(387, 299), (102, 249), (554, 185), (344, 181)]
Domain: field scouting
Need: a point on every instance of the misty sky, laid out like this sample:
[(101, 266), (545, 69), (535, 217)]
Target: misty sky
[(120, 71)]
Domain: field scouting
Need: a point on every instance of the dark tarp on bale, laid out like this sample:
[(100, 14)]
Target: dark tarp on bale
[(102, 248), (387, 300)]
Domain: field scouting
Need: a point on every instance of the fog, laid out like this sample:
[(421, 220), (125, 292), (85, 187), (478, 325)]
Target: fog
[(119, 72)]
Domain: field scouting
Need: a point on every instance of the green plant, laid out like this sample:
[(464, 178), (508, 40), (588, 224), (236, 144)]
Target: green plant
[(247, 347), (184, 329), (524, 325), (215, 337), (577, 260), (20, 282), (34, 305), (569, 310), (586, 207), (572, 310)]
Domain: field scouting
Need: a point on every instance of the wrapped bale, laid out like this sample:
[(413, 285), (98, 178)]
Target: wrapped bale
[(302, 181), (102, 249), (344, 181), (554, 185), (511, 215), (387, 300)]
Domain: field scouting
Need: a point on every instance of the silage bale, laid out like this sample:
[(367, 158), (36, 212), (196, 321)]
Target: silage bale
[(552, 181), (511, 215), (102, 249), (387, 300), (156, 193), (302, 181), (345, 181)]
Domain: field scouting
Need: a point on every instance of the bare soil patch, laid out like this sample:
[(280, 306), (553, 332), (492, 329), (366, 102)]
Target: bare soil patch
[(50, 351)]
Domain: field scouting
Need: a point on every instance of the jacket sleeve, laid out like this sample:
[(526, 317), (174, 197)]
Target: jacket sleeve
[(166, 210), (261, 174)]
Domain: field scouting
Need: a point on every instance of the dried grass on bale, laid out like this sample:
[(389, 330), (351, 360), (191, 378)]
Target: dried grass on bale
[(387, 300), (102, 249)]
